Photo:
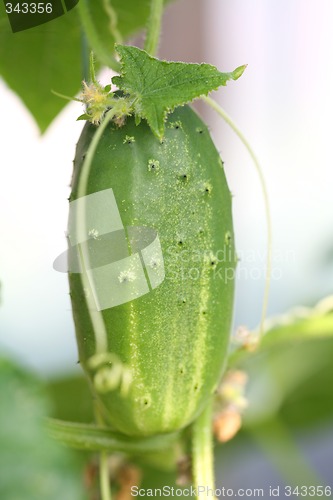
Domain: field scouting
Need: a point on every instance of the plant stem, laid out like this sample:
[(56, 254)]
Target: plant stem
[(84, 56), (92, 73), (90, 437), (154, 27), (202, 454), (241, 136), (104, 476), (95, 42), (112, 15)]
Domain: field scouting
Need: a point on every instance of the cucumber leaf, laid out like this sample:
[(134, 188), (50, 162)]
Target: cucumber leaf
[(91, 437), (157, 87), (51, 56)]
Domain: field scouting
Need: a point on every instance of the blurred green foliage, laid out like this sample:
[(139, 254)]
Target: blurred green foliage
[(32, 466)]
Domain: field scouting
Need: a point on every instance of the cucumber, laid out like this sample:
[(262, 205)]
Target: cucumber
[(166, 349)]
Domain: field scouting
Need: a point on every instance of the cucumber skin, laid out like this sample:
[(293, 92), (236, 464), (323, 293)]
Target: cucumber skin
[(175, 338)]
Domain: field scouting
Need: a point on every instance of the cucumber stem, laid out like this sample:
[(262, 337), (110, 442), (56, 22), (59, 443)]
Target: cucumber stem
[(203, 455), (213, 104), (92, 74), (113, 25), (84, 56), (99, 437), (95, 41), (154, 27), (104, 476)]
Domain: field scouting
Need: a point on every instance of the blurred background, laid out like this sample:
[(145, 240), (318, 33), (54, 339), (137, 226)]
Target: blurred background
[(283, 103)]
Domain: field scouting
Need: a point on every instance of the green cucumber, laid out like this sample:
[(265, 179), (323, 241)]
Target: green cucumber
[(169, 344)]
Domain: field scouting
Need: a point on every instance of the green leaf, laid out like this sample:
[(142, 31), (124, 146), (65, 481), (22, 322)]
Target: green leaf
[(100, 29), (294, 380), (295, 326), (50, 56), (157, 87), (34, 61), (291, 371), (71, 398), (83, 117), (93, 438), (32, 465), (301, 324), (311, 401)]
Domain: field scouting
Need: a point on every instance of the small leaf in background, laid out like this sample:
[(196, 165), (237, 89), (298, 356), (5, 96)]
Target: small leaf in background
[(301, 324), (32, 466), (157, 87), (291, 371), (71, 398), (295, 326)]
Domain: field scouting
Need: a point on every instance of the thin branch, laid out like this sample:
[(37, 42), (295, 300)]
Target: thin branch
[(241, 136), (203, 455), (154, 27)]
